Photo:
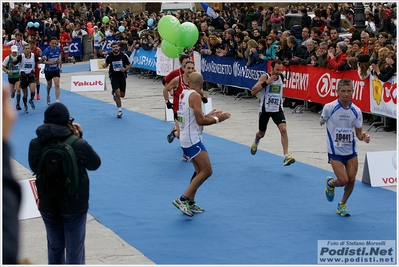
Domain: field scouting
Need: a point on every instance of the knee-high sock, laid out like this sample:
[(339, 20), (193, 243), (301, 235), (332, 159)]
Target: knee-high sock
[(25, 100), (18, 98)]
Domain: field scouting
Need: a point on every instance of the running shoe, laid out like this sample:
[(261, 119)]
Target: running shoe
[(32, 104), (119, 114), (341, 210), (185, 158), (73, 60), (196, 209), (13, 94), (254, 147), (48, 100), (183, 206), (38, 96), (26, 110), (288, 160), (329, 190), (171, 136), (18, 107)]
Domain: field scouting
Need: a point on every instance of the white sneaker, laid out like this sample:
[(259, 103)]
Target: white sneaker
[(183, 206), (119, 114)]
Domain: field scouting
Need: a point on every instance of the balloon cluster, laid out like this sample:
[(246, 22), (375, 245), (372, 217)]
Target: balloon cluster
[(176, 37), (31, 24)]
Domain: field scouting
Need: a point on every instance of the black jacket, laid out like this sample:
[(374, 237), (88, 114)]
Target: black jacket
[(87, 159), (11, 204)]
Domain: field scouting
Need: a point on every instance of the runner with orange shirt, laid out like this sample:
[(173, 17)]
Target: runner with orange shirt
[(65, 39)]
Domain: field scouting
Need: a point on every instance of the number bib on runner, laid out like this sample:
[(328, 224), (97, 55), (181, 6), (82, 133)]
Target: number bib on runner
[(117, 65), (66, 49), (273, 98), (343, 137)]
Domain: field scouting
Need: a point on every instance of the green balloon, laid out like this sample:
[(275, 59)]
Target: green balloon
[(105, 19), (171, 50), (189, 34), (169, 29)]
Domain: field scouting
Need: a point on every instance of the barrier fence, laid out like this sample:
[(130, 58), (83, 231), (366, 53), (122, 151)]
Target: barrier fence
[(303, 82)]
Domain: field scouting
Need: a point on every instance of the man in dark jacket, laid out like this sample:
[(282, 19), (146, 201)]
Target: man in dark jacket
[(306, 20), (64, 218), (336, 18)]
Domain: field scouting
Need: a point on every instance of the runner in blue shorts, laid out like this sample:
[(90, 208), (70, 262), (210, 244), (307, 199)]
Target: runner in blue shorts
[(191, 119), (341, 116)]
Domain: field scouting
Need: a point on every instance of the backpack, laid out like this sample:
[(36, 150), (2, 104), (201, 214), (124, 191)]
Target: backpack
[(57, 175)]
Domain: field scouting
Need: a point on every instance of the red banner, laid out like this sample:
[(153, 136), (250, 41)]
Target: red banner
[(6, 51), (319, 85)]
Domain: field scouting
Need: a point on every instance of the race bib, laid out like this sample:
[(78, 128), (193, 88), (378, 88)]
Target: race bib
[(117, 65), (66, 49), (343, 137), (28, 66)]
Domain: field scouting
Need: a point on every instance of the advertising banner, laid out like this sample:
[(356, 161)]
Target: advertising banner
[(231, 72), (383, 97), (145, 59)]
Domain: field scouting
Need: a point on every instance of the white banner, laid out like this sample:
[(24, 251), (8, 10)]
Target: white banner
[(28, 208), (164, 64), (88, 83), (95, 64), (380, 168), (383, 97)]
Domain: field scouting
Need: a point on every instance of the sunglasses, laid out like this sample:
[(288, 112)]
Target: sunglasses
[(370, 43)]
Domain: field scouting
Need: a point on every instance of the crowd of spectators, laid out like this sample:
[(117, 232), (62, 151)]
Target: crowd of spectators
[(241, 30)]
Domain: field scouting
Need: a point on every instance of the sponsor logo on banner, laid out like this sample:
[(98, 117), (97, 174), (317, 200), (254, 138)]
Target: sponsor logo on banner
[(359, 252), (383, 96), (88, 83), (327, 86)]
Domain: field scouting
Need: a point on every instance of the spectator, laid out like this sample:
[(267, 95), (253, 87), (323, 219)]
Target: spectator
[(336, 18), (355, 50), (365, 39), (267, 25), (386, 67), (377, 47), (350, 64), (306, 20), (355, 34), (370, 24), (252, 46), (310, 51), (250, 16), (383, 21), (305, 36), (296, 52), (383, 37), (258, 56), (229, 44), (334, 60), (317, 21), (58, 10), (370, 44), (255, 34), (320, 59), (242, 48), (296, 30), (364, 66), (335, 38), (276, 19), (271, 48)]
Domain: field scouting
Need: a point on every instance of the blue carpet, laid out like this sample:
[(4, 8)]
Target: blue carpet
[(257, 211)]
